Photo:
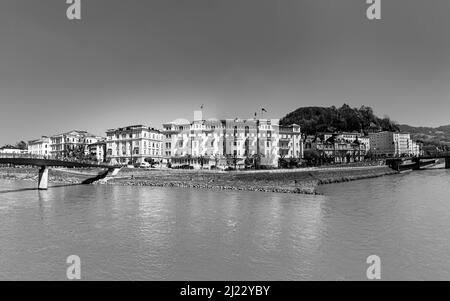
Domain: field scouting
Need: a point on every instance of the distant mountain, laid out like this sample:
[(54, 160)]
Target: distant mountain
[(428, 135), (343, 119)]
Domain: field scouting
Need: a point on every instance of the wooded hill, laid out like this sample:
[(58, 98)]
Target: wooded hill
[(344, 119)]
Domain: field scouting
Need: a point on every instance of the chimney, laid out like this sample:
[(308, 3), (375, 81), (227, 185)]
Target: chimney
[(198, 115)]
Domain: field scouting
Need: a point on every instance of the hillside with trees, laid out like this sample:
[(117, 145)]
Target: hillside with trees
[(437, 137), (22, 145), (343, 119)]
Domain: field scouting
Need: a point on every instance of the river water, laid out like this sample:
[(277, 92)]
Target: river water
[(145, 233)]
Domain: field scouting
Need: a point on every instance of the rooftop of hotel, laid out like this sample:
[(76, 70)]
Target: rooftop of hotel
[(75, 132), (131, 127)]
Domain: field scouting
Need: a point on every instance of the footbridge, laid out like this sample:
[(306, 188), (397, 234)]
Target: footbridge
[(44, 164)]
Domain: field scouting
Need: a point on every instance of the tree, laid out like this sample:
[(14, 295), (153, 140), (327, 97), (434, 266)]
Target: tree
[(232, 160), (22, 145), (332, 119), (249, 162), (202, 160), (7, 146), (369, 155), (19, 145), (150, 161), (77, 153), (282, 162), (312, 157), (257, 160), (294, 162)]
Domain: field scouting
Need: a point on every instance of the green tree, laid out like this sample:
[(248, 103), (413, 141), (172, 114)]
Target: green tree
[(22, 145), (312, 157)]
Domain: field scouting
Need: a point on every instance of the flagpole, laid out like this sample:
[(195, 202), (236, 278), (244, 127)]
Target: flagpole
[(262, 113)]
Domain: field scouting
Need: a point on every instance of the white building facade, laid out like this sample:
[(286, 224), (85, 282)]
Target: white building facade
[(97, 151), (40, 147), (133, 144), (215, 143), (393, 144), (72, 144)]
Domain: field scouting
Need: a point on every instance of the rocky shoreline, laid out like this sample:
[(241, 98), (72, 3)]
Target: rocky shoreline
[(292, 181), (300, 181)]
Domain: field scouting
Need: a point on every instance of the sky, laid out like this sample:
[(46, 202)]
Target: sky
[(153, 61)]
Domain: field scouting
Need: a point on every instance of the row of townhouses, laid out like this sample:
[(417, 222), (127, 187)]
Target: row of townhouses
[(73, 144), (339, 148), (214, 143), (355, 147)]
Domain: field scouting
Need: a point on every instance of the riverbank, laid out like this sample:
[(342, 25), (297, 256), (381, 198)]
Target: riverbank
[(57, 176), (304, 181)]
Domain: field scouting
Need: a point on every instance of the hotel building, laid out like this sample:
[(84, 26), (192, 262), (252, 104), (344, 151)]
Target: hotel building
[(226, 142), (392, 144), (40, 147), (97, 151), (133, 144), (72, 144)]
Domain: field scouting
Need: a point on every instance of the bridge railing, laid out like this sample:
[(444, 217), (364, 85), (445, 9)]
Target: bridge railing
[(20, 156), (49, 157)]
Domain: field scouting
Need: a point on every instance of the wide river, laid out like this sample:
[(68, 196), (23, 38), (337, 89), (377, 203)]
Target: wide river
[(143, 233)]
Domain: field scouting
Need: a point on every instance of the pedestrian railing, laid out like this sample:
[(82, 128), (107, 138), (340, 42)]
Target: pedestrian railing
[(44, 157)]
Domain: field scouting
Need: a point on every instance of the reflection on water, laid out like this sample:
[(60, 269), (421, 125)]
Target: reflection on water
[(144, 233)]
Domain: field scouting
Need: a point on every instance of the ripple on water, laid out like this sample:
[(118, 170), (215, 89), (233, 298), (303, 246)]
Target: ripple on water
[(179, 234)]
